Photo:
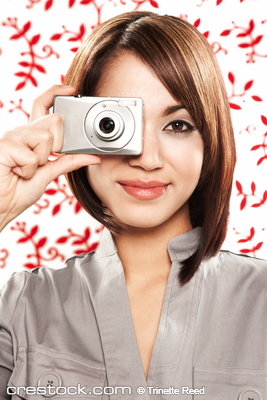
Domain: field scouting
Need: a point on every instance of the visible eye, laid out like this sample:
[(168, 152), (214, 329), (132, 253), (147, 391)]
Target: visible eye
[(179, 127)]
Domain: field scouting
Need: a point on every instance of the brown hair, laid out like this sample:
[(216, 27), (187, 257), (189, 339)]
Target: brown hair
[(184, 62)]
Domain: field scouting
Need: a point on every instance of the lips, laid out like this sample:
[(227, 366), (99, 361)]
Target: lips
[(143, 190)]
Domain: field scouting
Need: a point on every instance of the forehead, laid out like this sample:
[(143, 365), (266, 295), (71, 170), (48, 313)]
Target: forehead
[(128, 76)]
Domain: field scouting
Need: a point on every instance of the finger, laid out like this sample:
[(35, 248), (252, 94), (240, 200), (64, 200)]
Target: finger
[(43, 132), (70, 162), (42, 103), (21, 160)]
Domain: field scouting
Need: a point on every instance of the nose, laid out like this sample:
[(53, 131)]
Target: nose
[(151, 157)]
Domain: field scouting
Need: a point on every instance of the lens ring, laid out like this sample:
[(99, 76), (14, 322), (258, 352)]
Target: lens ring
[(107, 125)]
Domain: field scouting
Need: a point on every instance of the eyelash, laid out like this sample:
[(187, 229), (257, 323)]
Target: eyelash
[(190, 127)]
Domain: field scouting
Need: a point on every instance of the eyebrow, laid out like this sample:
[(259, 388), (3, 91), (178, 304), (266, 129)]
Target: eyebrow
[(172, 109)]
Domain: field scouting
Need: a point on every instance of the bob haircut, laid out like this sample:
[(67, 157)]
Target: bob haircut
[(184, 62)]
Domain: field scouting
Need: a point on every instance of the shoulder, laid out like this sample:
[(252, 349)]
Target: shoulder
[(42, 283), (233, 270), (242, 263)]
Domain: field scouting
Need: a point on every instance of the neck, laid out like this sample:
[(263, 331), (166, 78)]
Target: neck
[(144, 253)]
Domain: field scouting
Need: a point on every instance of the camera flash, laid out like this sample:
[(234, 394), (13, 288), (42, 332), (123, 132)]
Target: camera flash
[(125, 103)]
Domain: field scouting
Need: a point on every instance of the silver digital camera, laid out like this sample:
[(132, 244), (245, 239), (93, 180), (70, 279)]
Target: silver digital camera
[(100, 125)]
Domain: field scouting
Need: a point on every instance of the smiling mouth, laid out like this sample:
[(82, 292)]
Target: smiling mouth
[(144, 190)]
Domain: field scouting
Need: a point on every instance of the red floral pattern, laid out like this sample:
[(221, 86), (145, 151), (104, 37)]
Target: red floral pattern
[(32, 64), (36, 54)]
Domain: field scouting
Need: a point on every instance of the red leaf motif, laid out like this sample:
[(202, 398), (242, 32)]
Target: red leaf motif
[(256, 205), (63, 239), (82, 30), (23, 240), (35, 40), (218, 2), (20, 85), (264, 119), (79, 252), (26, 27), (206, 34), (248, 85), (255, 147), (33, 80), (48, 4), (94, 246), (56, 180), (234, 106), (16, 36), (251, 26), (40, 68), (56, 209), (256, 98), (50, 192), (258, 39), (86, 1), (87, 233), (30, 266), (243, 240), (20, 74), (253, 187), (258, 246), (196, 23), (24, 64), (226, 32), (245, 251), (73, 39), (41, 242), (231, 77), (243, 203), (154, 4), (78, 207), (57, 36), (243, 34), (265, 196), (239, 186), (34, 231), (74, 49), (71, 2), (260, 160), (252, 233), (77, 242), (244, 45)]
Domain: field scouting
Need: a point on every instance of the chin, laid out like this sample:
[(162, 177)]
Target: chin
[(145, 220)]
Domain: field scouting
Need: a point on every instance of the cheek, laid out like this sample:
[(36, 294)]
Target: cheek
[(185, 156), (96, 178), (101, 176)]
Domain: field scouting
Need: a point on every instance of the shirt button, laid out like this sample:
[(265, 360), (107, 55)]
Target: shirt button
[(250, 394), (49, 379)]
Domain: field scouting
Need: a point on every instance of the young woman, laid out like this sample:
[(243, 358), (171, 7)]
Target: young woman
[(157, 311)]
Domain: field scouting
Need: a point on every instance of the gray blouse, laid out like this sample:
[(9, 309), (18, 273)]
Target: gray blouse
[(71, 331)]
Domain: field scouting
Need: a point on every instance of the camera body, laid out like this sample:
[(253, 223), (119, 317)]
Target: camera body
[(100, 125)]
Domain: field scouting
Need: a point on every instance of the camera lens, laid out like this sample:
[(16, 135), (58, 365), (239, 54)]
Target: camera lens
[(106, 125)]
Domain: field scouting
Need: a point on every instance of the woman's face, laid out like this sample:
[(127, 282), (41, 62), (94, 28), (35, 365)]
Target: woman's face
[(153, 188)]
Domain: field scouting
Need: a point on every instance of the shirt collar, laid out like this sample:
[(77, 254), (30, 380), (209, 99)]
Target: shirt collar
[(183, 246), (179, 247)]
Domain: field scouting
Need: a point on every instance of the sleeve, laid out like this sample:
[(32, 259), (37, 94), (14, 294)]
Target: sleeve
[(9, 297)]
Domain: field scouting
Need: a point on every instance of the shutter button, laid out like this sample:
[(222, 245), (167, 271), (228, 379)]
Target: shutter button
[(250, 394), (49, 379)]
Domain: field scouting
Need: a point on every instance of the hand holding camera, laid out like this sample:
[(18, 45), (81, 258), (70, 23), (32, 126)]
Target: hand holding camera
[(25, 170)]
